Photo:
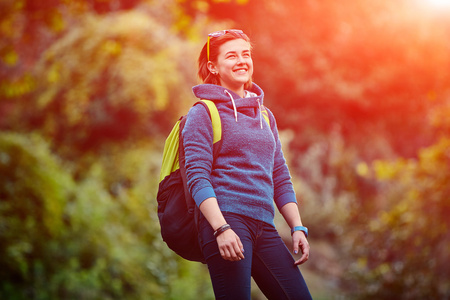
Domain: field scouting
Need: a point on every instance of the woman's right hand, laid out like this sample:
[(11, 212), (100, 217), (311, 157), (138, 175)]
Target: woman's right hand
[(230, 246)]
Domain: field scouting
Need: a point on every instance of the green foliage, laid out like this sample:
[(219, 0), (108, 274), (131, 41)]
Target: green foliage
[(70, 239), (107, 77), (403, 253), (34, 193), (78, 209)]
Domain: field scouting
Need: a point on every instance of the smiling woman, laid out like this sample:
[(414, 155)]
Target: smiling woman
[(236, 189)]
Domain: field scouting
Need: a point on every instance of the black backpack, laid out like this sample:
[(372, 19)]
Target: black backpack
[(177, 211)]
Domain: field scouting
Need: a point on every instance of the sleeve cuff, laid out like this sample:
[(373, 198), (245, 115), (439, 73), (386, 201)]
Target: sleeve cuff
[(203, 194), (285, 199)]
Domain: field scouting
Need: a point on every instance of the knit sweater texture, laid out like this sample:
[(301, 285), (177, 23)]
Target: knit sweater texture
[(250, 173)]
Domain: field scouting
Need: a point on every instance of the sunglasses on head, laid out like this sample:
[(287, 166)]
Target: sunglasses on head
[(220, 33)]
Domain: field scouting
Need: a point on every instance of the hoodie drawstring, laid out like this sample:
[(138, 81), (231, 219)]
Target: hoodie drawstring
[(235, 110), (234, 105)]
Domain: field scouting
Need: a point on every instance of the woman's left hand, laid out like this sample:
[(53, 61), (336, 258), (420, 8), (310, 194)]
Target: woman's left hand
[(300, 242)]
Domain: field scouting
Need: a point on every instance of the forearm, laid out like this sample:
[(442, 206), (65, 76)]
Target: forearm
[(299, 242), (210, 209), (291, 214)]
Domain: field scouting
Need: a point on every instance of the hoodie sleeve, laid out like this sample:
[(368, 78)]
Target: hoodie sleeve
[(283, 187), (198, 146)]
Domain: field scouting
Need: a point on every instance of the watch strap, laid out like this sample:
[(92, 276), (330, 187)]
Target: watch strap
[(300, 228)]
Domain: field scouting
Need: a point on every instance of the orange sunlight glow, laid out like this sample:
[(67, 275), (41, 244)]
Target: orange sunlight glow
[(440, 4)]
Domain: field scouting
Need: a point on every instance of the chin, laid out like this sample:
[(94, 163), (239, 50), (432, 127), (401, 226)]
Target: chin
[(243, 80)]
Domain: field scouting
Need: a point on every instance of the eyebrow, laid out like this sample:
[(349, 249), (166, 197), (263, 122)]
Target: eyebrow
[(235, 52)]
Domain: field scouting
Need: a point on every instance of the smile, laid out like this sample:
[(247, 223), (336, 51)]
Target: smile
[(241, 70)]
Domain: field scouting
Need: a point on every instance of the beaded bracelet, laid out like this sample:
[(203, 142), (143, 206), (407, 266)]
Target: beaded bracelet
[(221, 229)]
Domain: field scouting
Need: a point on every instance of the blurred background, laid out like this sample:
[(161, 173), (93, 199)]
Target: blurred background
[(89, 90)]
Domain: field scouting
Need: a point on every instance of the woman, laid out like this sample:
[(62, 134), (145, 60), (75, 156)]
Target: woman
[(236, 190)]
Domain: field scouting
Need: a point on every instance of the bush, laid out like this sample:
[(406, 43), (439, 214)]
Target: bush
[(403, 252), (96, 237)]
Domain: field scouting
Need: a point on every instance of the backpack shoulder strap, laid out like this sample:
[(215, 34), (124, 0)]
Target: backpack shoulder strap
[(171, 147), (215, 119), (265, 114)]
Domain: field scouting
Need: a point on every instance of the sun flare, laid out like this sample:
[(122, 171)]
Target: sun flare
[(438, 3)]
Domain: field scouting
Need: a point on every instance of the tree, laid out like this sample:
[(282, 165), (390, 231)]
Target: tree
[(78, 193)]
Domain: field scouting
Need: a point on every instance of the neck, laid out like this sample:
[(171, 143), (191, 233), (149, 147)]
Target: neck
[(241, 92)]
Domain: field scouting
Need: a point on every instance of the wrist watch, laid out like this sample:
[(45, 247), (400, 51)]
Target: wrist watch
[(300, 228)]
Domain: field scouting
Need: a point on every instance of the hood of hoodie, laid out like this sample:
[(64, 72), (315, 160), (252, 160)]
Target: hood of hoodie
[(226, 97), (219, 94)]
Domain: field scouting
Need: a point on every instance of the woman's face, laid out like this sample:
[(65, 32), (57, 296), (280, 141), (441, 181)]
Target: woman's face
[(234, 64)]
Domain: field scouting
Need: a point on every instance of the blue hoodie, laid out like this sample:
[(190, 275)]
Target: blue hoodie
[(250, 172)]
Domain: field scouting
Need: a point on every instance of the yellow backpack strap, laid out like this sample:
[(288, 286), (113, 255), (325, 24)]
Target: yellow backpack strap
[(170, 162), (265, 115), (215, 120)]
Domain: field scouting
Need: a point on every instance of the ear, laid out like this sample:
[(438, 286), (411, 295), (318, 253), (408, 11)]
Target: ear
[(212, 68)]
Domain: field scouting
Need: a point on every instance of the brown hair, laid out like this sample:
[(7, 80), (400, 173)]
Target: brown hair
[(214, 44)]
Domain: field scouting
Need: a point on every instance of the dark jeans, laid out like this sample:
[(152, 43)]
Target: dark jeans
[(267, 259)]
